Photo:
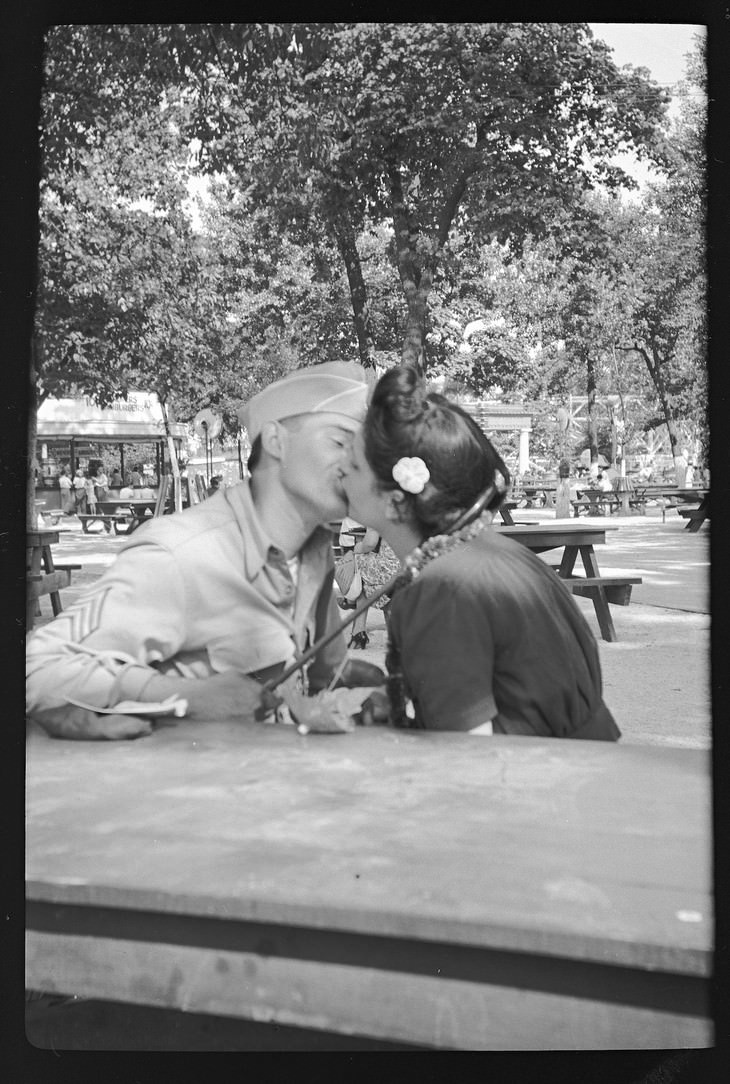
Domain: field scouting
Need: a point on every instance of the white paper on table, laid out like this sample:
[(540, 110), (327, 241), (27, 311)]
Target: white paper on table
[(173, 705)]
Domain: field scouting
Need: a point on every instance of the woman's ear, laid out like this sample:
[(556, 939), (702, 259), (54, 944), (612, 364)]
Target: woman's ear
[(396, 510)]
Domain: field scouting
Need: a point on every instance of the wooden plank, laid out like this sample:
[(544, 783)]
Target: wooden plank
[(497, 1004), (48, 583), (547, 536), (387, 832)]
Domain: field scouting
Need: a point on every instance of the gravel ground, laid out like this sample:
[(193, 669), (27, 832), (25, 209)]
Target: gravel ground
[(656, 676)]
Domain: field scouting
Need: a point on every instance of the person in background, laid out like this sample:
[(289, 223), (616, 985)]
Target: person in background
[(210, 603), (65, 485), (484, 637), (79, 484), (348, 576), (101, 482), (116, 479), (90, 493), (215, 484), (563, 506)]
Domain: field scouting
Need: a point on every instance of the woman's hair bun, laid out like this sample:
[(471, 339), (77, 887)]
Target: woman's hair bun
[(406, 421), (400, 393)]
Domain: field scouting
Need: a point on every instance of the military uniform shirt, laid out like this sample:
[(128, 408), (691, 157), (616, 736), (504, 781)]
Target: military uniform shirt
[(192, 594)]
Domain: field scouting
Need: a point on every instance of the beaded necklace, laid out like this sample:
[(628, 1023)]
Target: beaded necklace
[(401, 706)]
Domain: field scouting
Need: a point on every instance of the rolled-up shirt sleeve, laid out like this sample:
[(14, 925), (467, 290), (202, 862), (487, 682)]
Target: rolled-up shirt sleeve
[(102, 648)]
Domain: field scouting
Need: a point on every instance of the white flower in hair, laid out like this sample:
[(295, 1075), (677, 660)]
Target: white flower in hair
[(411, 474)]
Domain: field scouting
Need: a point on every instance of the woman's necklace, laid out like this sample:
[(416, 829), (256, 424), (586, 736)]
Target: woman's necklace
[(438, 545), (401, 706)]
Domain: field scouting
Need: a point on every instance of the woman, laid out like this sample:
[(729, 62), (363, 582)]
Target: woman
[(79, 484), (349, 578), (101, 483), (65, 485), (483, 635), (90, 493)]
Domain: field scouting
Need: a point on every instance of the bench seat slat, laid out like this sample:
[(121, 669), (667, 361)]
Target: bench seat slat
[(617, 588), (48, 583)]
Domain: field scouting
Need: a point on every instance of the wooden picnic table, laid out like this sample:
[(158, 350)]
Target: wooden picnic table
[(42, 576), (575, 538), (677, 497), (439, 889), (695, 516), (595, 502), (123, 515), (532, 492)]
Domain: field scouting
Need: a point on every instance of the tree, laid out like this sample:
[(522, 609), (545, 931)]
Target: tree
[(126, 293), (483, 126), (663, 283)]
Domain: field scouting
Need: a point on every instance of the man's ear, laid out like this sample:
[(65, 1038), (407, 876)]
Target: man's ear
[(273, 439), (397, 510)]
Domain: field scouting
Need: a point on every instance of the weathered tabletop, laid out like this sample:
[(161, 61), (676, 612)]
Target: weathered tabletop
[(452, 890), (540, 537)]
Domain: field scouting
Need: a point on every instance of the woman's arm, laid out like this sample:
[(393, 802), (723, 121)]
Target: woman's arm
[(447, 650)]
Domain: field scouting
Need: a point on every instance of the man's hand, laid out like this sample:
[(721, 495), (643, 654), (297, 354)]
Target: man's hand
[(79, 724), (223, 696)]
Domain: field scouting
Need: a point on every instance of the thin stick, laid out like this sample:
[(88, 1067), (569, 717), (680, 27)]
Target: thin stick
[(338, 673), (481, 502)]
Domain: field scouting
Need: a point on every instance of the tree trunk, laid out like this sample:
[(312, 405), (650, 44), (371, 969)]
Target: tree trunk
[(172, 451), (654, 364), (416, 281), (31, 517), (414, 339), (346, 243), (592, 405)]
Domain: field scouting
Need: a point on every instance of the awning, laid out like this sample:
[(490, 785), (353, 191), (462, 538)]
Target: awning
[(138, 418)]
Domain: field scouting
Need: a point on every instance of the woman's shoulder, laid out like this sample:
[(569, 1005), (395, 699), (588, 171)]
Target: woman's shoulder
[(489, 556)]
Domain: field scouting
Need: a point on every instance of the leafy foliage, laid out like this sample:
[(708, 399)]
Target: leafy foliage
[(373, 188)]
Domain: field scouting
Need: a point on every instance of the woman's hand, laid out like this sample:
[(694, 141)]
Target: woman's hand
[(376, 709)]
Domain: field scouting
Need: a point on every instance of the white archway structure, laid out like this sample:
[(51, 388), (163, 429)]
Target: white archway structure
[(504, 417)]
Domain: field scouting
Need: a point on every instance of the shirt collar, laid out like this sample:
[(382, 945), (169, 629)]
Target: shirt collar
[(257, 544)]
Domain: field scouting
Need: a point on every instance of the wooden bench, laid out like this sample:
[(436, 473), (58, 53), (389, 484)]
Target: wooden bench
[(45, 583), (617, 588), (54, 516), (87, 518), (594, 502), (695, 518), (120, 520), (68, 569)]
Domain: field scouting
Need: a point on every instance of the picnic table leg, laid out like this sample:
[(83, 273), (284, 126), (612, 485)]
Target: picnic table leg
[(48, 566), (598, 595), (33, 605), (693, 524), (567, 563)]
